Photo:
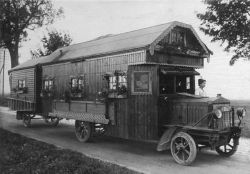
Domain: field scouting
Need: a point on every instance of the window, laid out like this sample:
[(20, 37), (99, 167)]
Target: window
[(188, 83), (112, 83), (122, 84), (117, 84), (178, 37), (77, 84), (21, 84), (141, 82), (48, 84), (183, 83), (170, 83)]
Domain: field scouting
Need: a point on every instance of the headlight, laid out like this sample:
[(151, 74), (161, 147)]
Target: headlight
[(217, 113), (241, 112)]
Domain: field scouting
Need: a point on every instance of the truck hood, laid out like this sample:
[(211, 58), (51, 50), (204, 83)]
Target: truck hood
[(189, 98)]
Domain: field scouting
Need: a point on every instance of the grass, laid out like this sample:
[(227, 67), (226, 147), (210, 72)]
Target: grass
[(19, 154)]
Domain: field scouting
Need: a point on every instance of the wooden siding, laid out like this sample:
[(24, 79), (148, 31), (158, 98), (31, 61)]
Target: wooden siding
[(29, 76), (92, 69), (175, 60), (80, 107), (135, 116), (20, 105)]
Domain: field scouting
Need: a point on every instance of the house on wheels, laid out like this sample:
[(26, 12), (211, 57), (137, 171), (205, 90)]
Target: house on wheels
[(137, 85)]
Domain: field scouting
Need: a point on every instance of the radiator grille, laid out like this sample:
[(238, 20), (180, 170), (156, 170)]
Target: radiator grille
[(225, 121)]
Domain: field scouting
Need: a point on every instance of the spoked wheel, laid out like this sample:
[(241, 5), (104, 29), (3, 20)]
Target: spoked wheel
[(183, 148), (53, 121), (26, 120), (228, 149), (83, 130)]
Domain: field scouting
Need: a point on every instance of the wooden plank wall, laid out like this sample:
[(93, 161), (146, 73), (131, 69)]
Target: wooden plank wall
[(143, 112), (92, 69), (136, 116), (29, 76)]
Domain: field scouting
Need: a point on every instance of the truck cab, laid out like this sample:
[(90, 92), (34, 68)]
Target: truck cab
[(188, 122)]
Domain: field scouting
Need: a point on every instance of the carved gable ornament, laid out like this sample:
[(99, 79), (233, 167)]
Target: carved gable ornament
[(180, 38)]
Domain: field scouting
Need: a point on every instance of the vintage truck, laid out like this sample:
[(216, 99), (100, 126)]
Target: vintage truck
[(137, 85)]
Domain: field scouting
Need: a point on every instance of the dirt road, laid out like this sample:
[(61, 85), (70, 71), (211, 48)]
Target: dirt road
[(137, 156)]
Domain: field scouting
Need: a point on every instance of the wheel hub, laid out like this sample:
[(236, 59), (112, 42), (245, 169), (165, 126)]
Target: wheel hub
[(180, 146)]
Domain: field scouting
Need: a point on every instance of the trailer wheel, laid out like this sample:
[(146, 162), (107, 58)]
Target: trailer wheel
[(53, 121), (26, 120), (228, 149), (183, 148), (83, 130)]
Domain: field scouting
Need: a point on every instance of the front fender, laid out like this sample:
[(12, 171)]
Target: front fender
[(164, 143)]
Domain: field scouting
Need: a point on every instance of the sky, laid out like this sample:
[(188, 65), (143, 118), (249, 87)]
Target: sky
[(85, 20)]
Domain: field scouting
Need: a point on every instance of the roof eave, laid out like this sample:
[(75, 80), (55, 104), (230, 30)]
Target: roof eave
[(22, 68)]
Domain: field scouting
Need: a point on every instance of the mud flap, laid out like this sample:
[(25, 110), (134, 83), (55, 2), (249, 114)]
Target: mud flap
[(165, 140), (236, 141)]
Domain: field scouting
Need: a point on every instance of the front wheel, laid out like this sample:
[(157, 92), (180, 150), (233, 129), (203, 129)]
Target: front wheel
[(228, 149), (83, 130), (183, 148)]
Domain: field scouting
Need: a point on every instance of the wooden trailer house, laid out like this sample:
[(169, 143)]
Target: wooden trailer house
[(133, 84)]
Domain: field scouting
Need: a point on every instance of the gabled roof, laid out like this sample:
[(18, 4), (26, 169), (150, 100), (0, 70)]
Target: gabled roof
[(33, 62), (138, 39)]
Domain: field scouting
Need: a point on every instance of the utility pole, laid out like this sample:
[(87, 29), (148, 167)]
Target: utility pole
[(2, 69)]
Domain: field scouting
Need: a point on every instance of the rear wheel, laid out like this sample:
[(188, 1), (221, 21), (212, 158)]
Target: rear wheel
[(53, 121), (228, 149), (183, 148), (83, 130), (26, 120)]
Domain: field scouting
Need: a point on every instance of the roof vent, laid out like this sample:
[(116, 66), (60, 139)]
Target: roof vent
[(218, 95)]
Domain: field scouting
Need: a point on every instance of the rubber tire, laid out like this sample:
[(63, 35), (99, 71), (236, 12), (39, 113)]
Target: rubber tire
[(87, 127), (26, 121), (192, 147), (227, 154), (51, 123)]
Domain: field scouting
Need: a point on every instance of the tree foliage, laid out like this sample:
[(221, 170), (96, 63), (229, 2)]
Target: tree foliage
[(228, 21), (19, 16), (52, 42)]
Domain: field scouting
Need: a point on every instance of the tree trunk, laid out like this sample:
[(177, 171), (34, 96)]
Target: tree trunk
[(13, 57)]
